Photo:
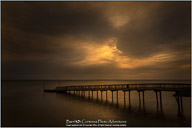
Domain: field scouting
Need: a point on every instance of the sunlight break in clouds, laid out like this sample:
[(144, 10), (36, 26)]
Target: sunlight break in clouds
[(108, 53)]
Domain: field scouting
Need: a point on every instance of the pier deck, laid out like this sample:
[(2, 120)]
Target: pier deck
[(181, 90), (127, 87)]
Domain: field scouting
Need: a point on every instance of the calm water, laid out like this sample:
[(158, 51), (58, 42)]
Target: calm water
[(25, 104)]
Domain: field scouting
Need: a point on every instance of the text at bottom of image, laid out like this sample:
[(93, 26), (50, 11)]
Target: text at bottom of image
[(94, 123)]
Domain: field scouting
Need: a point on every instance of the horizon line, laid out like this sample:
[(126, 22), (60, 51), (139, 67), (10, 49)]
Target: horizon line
[(94, 79)]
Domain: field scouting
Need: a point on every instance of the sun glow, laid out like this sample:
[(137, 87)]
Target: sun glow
[(108, 53)]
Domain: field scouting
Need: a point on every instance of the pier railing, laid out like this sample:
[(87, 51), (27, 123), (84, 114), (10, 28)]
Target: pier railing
[(150, 86)]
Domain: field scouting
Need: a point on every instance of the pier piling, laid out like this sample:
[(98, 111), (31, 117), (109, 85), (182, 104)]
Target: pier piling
[(124, 96), (181, 90), (157, 100), (139, 100), (117, 97), (101, 95), (129, 98), (92, 94), (160, 101), (143, 100), (181, 103)]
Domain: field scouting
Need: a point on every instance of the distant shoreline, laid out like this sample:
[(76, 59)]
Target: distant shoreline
[(95, 80)]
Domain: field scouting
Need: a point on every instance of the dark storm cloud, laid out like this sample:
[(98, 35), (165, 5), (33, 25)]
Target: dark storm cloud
[(43, 40), (28, 27), (55, 18), (165, 27)]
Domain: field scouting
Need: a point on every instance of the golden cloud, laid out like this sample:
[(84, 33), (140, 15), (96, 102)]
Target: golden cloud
[(108, 53)]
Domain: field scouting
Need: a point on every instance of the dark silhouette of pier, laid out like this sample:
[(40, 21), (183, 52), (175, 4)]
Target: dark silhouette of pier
[(181, 90)]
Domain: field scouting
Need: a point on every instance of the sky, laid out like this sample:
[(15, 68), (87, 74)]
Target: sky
[(96, 40)]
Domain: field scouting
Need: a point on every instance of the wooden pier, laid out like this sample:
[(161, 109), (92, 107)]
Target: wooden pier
[(181, 90)]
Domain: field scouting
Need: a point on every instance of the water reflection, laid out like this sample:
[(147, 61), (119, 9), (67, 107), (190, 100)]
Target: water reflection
[(100, 101), (126, 108), (25, 104)]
